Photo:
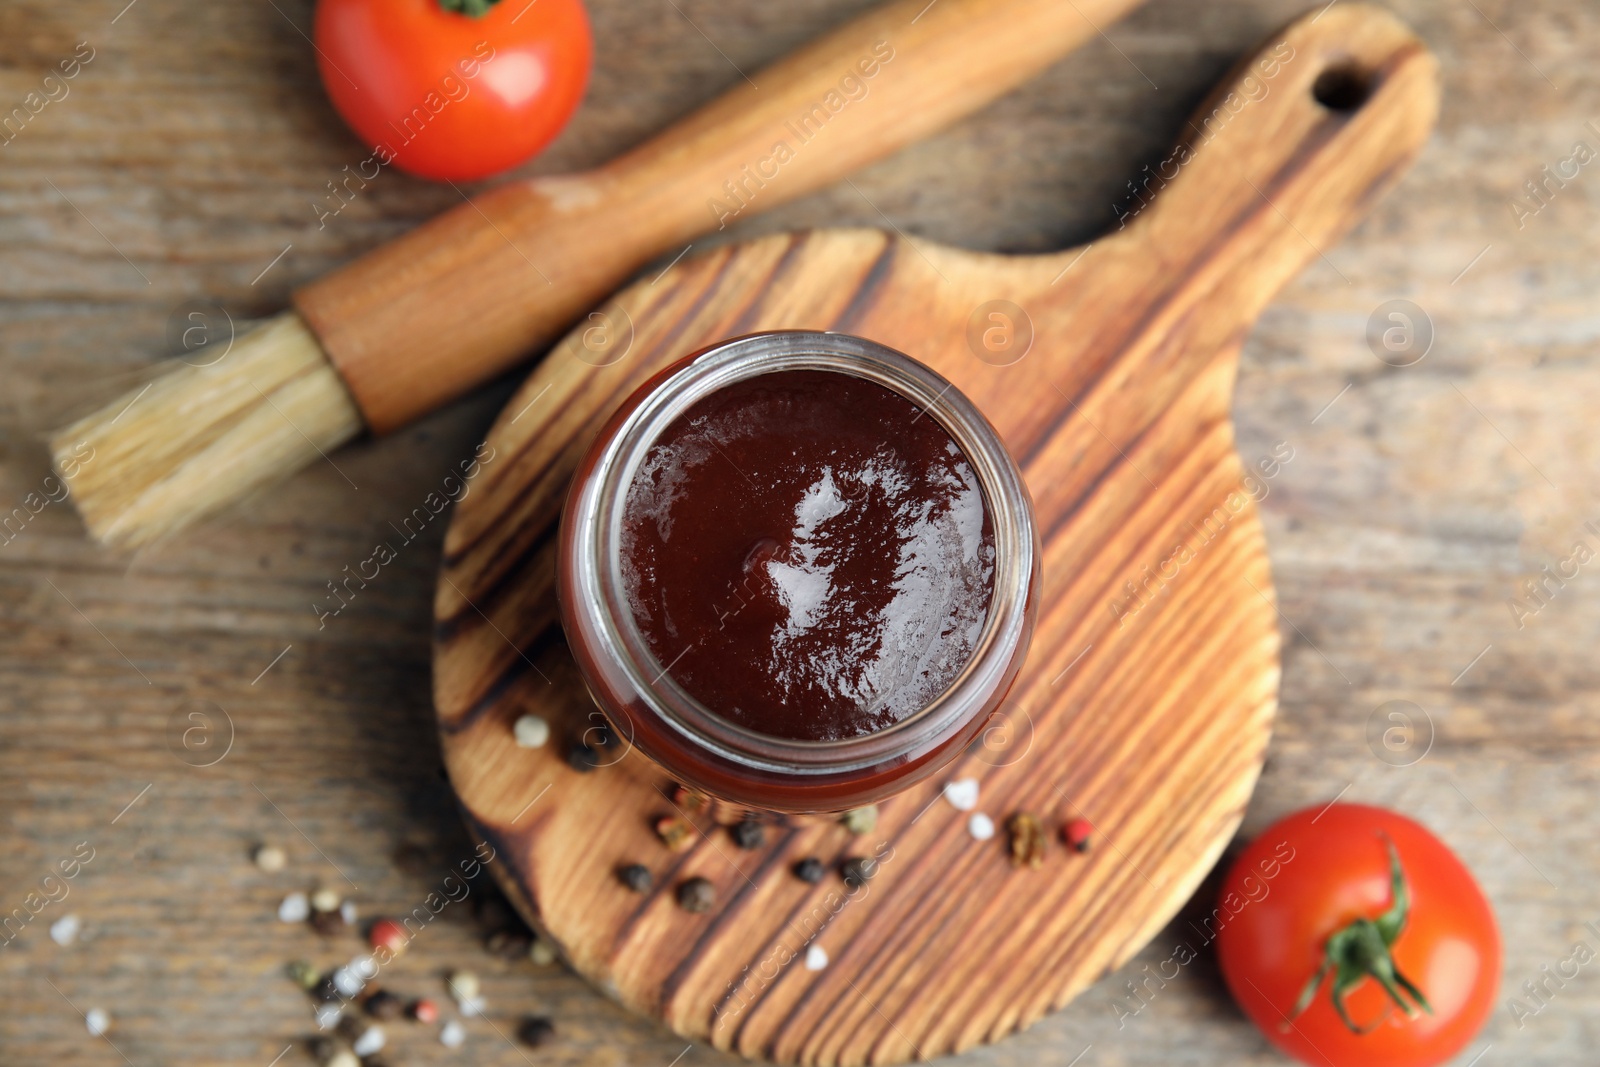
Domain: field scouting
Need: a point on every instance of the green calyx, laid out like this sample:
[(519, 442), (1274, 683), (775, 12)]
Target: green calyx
[(1361, 950), (471, 8)]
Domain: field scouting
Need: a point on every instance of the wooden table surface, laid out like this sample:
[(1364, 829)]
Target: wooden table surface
[(188, 154)]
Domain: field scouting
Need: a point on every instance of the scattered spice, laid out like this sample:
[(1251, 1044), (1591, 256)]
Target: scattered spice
[(810, 870), (980, 826), (463, 985), (583, 759), (674, 832), (270, 858), (326, 990), (861, 820), (696, 895), (294, 909), (962, 793), (536, 1030), (1027, 840), (322, 1048), (542, 953), (384, 1005), (325, 899), (64, 931), (370, 1041), (858, 870), (304, 975), (98, 1020), (688, 800), (452, 1034), (508, 944), (748, 833), (388, 934), (636, 876), (531, 731), (424, 1011), (1077, 833), (327, 923)]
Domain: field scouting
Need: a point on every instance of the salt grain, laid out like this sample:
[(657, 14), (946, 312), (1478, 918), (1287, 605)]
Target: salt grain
[(98, 1021), (64, 931), (816, 958), (347, 982), (463, 985), (295, 908), (531, 731), (962, 794), (271, 858), (347, 912), (471, 1007), (980, 826), (370, 1041), (328, 1016), (452, 1034)]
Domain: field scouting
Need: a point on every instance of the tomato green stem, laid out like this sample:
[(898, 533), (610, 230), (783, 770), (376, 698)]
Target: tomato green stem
[(472, 8), (1361, 950)]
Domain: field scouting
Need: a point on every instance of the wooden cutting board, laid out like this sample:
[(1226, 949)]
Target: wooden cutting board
[(1144, 707)]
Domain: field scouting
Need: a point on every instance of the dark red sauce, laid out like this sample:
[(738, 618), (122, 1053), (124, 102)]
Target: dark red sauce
[(808, 555)]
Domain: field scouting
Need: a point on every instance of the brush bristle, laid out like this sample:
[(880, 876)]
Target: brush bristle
[(200, 438)]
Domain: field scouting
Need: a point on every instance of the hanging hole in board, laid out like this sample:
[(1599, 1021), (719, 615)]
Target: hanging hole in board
[(1343, 87)]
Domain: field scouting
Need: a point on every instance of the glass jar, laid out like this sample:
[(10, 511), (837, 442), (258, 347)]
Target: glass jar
[(704, 750)]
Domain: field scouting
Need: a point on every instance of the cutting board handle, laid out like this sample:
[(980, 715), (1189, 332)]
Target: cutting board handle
[(425, 318), (1287, 154)]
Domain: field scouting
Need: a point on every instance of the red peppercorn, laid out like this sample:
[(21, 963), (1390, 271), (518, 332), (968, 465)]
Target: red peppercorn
[(425, 1011), (386, 933), (1077, 833)]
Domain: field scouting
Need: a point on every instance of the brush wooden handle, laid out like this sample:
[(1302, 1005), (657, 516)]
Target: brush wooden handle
[(427, 317)]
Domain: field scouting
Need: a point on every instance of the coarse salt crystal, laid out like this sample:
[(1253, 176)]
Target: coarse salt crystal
[(962, 794), (347, 912), (347, 982), (295, 908), (452, 1034), (64, 931), (472, 1007), (980, 826), (816, 958), (328, 1016), (531, 731), (370, 1041), (98, 1020)]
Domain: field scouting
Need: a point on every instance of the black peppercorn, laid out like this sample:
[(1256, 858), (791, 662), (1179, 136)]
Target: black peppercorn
[(327, 923), (583, 759), (536, 1030), (748, 833), (810, 870), (322, 1048), (696, 895), (858, 870), (384, 1005), (325, 991), (636, 876)]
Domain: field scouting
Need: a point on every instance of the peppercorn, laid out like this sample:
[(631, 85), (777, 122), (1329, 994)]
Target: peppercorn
[(1027, 840), (322, 1047), (384, 1005), (696, 895), (810, 870), (583, 759), (326, 990), (748, 833), (861, 820), (325, 899), (463, 985), (536, 1030), (674, 832), (304, 975), (636, 876), (858, 870), (1077, 834), (424, 1011), (388, 934), (327, 923), (350, 1028), (541, 953), (508, 944)]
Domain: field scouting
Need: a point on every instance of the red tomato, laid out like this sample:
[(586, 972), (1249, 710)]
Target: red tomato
[(1318, 888), (449, 96)]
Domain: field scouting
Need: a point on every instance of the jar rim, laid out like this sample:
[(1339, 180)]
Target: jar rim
[(600, 604)]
